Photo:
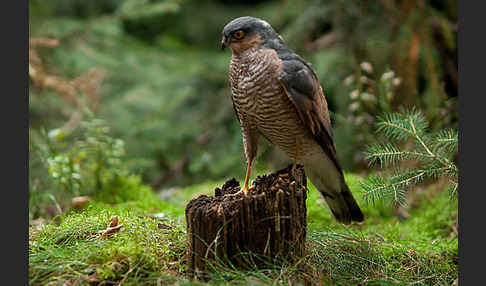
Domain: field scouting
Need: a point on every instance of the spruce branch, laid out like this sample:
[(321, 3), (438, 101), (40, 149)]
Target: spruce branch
[(389, 154), (453, 188), (447, 140), (432, 152)]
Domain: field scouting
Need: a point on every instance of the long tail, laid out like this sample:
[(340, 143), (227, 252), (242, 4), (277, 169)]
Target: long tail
[(334, 190)]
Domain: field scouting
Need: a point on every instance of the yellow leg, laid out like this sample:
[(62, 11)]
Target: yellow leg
[(247, 178), (245, 188)]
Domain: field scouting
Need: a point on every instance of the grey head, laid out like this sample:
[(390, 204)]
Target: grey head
[(248, 32)]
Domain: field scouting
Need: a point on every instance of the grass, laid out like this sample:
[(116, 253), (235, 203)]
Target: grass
[(149, 249)]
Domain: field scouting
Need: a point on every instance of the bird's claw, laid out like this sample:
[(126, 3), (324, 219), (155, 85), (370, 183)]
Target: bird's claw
[(243, 191)]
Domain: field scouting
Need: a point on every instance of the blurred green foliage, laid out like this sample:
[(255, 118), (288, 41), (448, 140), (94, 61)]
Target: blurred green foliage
[(88, 164), (165, 90)]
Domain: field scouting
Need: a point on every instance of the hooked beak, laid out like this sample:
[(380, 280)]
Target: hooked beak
[(225, 42)]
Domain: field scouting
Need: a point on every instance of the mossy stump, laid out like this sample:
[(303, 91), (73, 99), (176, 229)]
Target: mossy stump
[(267, 225)]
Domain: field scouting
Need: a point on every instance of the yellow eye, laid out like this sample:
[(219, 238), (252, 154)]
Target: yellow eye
[(238, 35)]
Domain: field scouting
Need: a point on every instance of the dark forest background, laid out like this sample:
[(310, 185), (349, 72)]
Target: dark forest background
[(119, 87)]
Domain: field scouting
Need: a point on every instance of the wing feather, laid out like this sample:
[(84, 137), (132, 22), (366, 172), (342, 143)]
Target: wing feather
[(304, 91)]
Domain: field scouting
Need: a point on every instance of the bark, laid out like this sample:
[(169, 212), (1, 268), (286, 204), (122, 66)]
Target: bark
[(267, 226)]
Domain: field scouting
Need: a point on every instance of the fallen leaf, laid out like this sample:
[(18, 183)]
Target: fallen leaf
[(163, 226), (113, 221), (112, 227)]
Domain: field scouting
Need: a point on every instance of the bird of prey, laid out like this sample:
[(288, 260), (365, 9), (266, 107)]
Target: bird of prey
[(277, 94)]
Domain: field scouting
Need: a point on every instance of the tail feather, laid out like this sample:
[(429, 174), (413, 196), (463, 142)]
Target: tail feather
[(354, 210), (343, 205), (334, 190)]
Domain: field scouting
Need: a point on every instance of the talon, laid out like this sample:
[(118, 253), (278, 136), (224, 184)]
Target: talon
[(235, 194), (243, 191), (245, 188)]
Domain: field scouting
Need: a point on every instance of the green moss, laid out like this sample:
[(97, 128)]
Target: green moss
[(150, 250), (144, 247), (126, 194)]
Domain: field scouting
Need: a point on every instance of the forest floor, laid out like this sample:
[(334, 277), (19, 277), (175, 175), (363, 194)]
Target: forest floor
[(416, 245)]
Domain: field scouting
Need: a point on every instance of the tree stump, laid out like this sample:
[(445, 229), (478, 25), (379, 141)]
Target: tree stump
[(248, 231)]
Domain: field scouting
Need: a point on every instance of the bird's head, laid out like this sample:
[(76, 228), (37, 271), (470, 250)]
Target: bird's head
[(244, 33)]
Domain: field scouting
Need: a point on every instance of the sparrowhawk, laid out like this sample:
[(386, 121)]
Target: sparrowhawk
[(277, 94)]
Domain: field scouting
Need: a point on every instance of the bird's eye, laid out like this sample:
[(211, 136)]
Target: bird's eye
[(238, 35)]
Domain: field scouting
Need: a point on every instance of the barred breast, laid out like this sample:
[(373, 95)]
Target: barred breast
[(262, 104)]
